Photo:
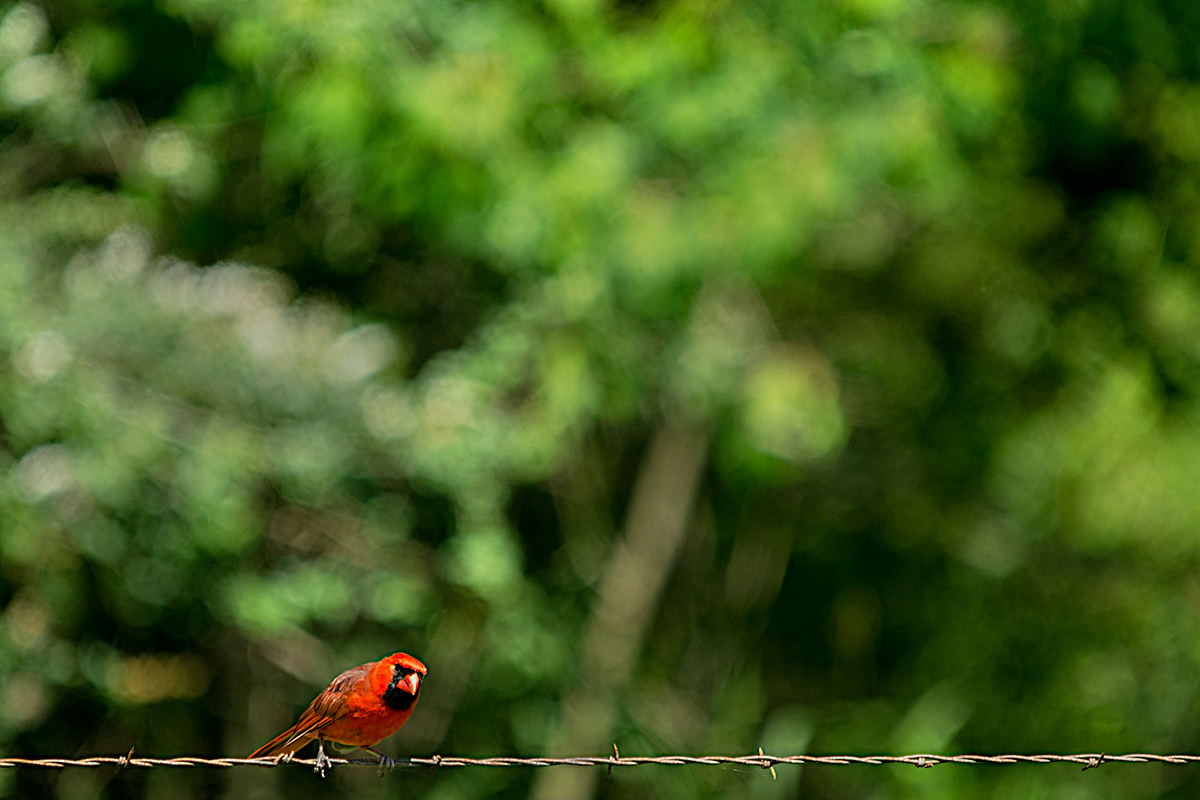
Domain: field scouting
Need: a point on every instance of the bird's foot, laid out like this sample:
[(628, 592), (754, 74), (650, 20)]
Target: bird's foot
[(386, 763), (323, 761)]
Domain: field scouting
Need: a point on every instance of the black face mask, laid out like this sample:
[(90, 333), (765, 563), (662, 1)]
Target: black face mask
[(395, 697)]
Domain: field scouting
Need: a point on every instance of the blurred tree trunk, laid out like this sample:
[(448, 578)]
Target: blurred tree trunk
[(662, 502)]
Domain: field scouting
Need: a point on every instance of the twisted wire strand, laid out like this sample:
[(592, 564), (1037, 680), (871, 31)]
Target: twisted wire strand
[(762, 760)]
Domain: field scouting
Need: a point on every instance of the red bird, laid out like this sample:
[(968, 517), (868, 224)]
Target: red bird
[(361, 707)]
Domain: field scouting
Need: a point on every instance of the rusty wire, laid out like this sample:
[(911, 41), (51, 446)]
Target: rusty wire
[(761, 760)]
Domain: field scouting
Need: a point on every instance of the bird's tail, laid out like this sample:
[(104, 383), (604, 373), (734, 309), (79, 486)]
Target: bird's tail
[(287, 742)]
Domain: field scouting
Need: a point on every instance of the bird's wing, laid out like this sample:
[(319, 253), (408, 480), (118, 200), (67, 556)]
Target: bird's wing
[(329, 706)]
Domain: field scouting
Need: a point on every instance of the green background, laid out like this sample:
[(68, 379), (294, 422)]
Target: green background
[(693, 375)]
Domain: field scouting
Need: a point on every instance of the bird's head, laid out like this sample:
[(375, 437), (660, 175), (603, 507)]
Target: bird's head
[(404, 681)]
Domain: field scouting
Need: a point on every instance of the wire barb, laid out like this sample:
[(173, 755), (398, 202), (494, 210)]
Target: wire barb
[(123, 761), (760, 759), (768, 764)]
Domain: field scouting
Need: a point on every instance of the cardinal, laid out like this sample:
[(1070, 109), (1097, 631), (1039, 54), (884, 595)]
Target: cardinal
[(361, 707)]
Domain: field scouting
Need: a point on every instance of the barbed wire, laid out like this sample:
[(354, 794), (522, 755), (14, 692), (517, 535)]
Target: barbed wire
[(761, 760)]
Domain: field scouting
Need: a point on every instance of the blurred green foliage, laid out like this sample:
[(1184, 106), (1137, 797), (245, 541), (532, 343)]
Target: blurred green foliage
[(922, 276)]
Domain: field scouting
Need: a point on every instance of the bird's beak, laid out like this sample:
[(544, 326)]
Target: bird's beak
[(411, 683)]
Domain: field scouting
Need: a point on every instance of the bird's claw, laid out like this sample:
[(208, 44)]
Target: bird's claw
[(386, 762), (323, 762)]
